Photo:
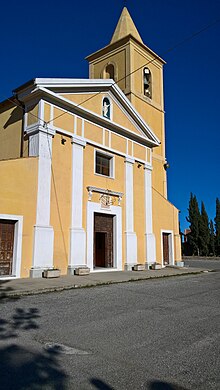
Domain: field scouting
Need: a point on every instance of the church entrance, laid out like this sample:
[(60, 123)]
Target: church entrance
[(6, 247), (103, 241)]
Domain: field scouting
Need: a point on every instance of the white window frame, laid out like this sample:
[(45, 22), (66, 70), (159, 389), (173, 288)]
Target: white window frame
[(17, 248), (111, 160), (171, 247)]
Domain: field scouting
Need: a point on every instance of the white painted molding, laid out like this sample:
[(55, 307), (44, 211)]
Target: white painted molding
[(41, 112), (148, 201), (40, 144), (43, 247), (78, 140), (130, 235), (129, 159), (17, 248), (150, 248), (77, 255), (149, 236), (116, 211), (131, 250), (148, 166), (129, 196), (36, 128), (101, 146), (104, 191)]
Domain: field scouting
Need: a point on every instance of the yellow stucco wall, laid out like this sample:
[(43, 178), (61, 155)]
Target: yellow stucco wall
[(10, 132), (18, 193), (118, 143), (165, 217), (93, 102), (32, 114), (47, 112), (86, 100), (63, 120), (153, 117), (93, 132), (141, 59), (140, 152), (124, 120), (119, 57), (61, 200), (158, 176)]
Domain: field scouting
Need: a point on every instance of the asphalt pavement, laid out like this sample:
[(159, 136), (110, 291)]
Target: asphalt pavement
[(203, 263), (28, 286), (159, 334)]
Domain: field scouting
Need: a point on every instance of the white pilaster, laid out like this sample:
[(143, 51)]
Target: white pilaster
[(150, 238), (130, 235), (40, 144), (77, 256)]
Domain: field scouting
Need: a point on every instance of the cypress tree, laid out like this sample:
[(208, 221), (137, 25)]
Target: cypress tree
[(217, 228), (193, 218), (204, 234), (212, 239)]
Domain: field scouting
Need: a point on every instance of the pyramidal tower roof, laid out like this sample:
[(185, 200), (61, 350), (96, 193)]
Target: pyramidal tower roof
[(125, 27)]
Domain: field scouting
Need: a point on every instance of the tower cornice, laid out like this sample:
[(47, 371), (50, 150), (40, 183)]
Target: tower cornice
[(120, 43)]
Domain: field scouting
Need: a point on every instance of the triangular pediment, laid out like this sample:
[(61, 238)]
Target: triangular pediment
[(84, 97)]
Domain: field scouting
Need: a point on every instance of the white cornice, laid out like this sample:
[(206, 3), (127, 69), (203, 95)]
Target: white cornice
[(80, 83), (104, 191), (36, 128)]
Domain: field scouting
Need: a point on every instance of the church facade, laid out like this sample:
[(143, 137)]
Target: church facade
[(83, 167)]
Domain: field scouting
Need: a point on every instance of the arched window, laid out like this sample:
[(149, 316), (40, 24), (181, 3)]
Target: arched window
[(106, 108), (147, 82), (110, 71)]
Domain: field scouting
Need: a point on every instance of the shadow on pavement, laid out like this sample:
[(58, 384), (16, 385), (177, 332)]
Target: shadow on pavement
[(4, 290), (23, 368), (159, 385), (99, 384)]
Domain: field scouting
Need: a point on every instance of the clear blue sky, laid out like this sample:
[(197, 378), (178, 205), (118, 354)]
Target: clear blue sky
[(51, 39)]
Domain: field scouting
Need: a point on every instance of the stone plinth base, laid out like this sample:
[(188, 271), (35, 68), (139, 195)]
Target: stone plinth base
[(156, 266), (51, 273), (36, 272), (148, 265), (139, 267), (81, 271), (129, 267), (179, 263)]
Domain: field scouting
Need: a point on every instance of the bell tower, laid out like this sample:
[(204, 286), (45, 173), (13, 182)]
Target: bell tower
[(138, 71)]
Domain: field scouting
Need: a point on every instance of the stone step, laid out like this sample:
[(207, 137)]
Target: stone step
[(81, 271), (139, 267)]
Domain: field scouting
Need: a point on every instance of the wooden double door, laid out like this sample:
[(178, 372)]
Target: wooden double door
[(6, 246), (166, 248), (103, 240)]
